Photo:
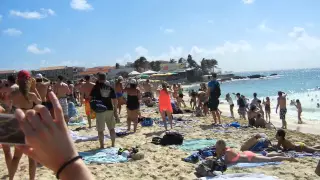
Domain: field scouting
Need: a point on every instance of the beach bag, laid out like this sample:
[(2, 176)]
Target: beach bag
[(207, 168), (98, 106), (146, 122), (171, 138)]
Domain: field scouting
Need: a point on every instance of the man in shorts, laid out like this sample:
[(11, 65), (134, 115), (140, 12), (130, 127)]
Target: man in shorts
[(106, 94), (214, 93), (282, 103)]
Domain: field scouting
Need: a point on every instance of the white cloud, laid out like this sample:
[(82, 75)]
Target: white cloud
[(264, 28), (33, 14), (33, 48), (299, 40), (168, 31), (141, 51), (248, 1), (12, 32), (81, 5), (230, 47)]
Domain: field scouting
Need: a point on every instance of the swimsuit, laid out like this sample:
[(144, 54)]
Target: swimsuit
[(133, 102), (250, 155), (267, 108), (119, 94), (283, 112), (165, 102), (64, 105)]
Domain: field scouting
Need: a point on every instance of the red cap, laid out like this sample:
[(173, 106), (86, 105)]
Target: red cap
[(24, 74)]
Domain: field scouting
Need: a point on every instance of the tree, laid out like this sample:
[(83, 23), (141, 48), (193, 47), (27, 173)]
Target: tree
[(208, 65), (155, 65), (182, 60), (173, 61), (117, 66), (192, 63), (141, 64)]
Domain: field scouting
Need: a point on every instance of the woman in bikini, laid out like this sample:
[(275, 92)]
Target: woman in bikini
[(119, 93), (133, 104), (24, 100), (180, 96), (299, 109), (165, 106), (245, 156), (267, 108)]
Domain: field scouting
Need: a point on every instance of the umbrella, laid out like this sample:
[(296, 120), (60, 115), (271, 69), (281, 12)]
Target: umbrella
[(144, 76), (134, 73), (150, 72)]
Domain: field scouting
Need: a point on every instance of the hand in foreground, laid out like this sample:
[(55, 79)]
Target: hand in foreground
[(47, 140)]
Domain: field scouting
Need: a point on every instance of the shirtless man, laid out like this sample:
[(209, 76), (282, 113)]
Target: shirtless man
[(148, 89), (42, 87), (9, 87), (61, 89), (85, 91), (282, 102), (77, 94)]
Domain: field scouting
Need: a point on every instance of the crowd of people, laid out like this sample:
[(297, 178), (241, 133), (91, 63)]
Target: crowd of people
[(41, 107)]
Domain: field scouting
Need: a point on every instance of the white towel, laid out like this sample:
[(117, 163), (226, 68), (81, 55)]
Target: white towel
[(241, 176)]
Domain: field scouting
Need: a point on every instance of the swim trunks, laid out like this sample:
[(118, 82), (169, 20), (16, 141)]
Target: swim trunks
[(64, 104), (213, 104), (89, 112), (283, 112)]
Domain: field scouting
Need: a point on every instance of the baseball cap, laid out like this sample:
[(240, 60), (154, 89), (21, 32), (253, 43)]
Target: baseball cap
[(39, 76), (23, 74)]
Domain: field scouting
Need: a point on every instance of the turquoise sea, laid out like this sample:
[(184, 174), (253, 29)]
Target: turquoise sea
[(300, 84)]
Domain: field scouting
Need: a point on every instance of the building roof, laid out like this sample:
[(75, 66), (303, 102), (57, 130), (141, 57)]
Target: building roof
[(51, 68), (95, 70), (7, 71)]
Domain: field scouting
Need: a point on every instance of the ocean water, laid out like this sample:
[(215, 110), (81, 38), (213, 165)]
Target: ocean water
[(298, 84)]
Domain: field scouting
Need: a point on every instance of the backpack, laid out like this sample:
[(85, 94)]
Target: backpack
[(171, 138)]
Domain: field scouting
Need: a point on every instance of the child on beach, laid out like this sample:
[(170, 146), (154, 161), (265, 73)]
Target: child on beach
[(267, 108), (231, 156), (299, 108), (289, 146), (230, 101)]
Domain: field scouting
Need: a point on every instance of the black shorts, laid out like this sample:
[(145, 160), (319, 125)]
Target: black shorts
[(48, 105), (213, 104), (180, 95)]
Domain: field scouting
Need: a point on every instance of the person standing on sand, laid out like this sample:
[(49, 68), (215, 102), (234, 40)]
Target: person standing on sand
[(267, 108), (25, 100), (106, 94), (10, 86), (255, 100), (85, 91), (119, 93), (165, 106), (282, 103), (77, 93), (71, 88), (147, 87), (242, 106), (62, 91), (180, 96), (42, 87), (214, 93), (231, 104), (133, 104), (299, 108)]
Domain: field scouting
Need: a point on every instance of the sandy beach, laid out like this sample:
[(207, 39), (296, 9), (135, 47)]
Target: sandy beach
[(165, 162)]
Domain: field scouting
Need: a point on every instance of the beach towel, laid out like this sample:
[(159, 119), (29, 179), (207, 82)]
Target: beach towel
[(241, 176), (252, 165), (77, 121), (196, 144), (77, 138), (262, 144), (302, 154), (72, 110), (103, 156)]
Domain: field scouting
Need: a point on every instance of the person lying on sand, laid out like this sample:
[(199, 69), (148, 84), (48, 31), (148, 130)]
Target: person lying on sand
[(245, 156), (247, 145), (289, 146)]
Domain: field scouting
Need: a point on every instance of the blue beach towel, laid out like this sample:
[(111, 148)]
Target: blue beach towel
[(262, 144), (252, 165), (302, 154), (81, 122), (103, 156), (196, 144), (72, 110)]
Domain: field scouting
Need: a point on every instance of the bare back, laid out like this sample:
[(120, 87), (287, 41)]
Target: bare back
[(85, 89), (282, 102), (61, 90), (19, 101), (43, 89)]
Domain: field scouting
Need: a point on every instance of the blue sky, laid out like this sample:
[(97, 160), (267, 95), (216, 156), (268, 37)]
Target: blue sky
[(243, 35)]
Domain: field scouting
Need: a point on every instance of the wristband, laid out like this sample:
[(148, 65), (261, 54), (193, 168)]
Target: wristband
[(66, 164)]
